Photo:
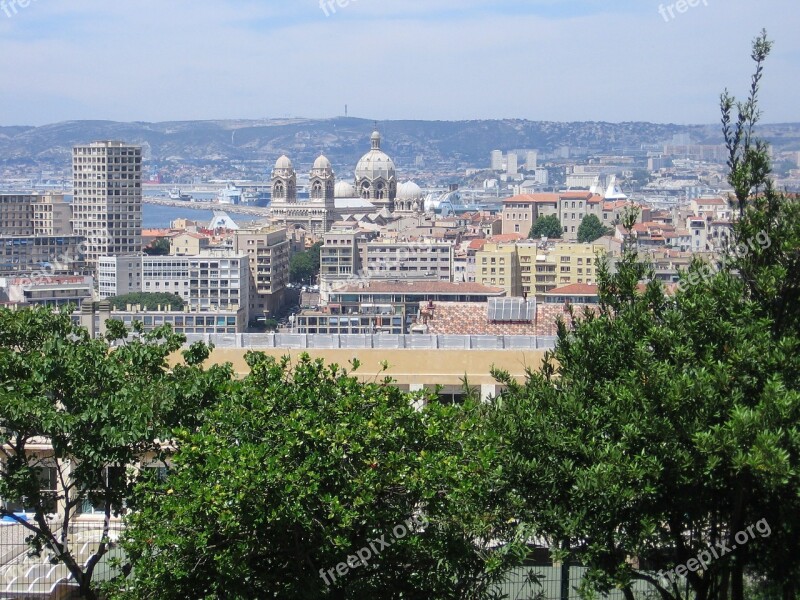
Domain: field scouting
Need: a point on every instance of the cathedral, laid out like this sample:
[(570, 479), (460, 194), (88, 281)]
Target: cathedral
[(375, 192)]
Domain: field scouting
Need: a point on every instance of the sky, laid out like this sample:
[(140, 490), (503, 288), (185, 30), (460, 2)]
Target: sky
[(663, 61)]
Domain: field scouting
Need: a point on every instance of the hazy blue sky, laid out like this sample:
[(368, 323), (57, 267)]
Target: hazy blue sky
[(564, 60)]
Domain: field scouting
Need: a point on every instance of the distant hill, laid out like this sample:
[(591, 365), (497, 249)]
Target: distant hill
[(344, 140)]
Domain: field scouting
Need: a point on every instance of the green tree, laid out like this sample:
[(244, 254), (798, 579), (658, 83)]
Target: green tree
[(77, 415), (591, 229), (662, 427), (293, 476), (158, 247), (301, 267), (549, 227), (148, 301)]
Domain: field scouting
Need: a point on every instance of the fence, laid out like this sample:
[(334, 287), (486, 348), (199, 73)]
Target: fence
[(24, 573), (558, 583), (27, 575), (379, 341)]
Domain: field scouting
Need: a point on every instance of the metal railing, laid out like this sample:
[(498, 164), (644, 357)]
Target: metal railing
[(301, 341), (25, 573)]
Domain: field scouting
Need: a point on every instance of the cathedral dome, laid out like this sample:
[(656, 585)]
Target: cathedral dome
[(409, 191), (283, 163), (344, 189), (322, 163), (375, 164)]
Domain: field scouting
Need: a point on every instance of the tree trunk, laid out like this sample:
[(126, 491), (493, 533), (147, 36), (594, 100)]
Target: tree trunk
[(737, 581)]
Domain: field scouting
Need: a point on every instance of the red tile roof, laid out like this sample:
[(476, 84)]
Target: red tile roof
[(477, 244)]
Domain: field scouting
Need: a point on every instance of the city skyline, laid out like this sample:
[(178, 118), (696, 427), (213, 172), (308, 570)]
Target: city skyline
[(663, 61)]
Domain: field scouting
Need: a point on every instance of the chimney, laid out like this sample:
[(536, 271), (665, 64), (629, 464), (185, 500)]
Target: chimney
[(105, 313), (87, 317)]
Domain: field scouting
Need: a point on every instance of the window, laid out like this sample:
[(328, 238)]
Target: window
[(48, 481), (95, 501)]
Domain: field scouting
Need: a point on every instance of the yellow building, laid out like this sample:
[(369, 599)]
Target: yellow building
[(498, 265), (525, 268)]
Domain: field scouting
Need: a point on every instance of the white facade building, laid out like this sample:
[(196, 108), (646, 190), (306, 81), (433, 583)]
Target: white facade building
[(209, 281)]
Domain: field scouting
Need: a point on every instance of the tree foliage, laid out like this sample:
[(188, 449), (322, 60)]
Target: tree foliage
[(148, 300), (662, 426), (299, 470), (304, 266), (301, 267), (548, 226), (96, 409), (591, 229), (158, 247)]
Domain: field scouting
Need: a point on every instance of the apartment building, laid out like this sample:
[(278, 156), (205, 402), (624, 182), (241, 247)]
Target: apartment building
[(16, 214), (188, 243), (522, 211), (107, 204), (189, 320), (498, 265), (527, 268), (39, 256), (212, 280), (51, 215), (47, 291), (36, 236), (421, 260), (268, 252), (350, 255)]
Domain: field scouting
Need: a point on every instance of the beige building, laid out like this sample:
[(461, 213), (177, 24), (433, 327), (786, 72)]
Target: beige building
[(107, 204), (351, 256), (16, 214), (498, 265), (268, 252), (526, 268), (522, 211), (188, 244), (51, 215)]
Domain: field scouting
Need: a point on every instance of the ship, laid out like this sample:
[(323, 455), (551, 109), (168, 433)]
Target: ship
[(175, 194)]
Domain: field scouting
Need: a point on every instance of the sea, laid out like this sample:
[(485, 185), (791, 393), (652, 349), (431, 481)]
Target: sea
[(156, 216)]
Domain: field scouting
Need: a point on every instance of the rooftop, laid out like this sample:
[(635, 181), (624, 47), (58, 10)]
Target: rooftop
[(422, 287)]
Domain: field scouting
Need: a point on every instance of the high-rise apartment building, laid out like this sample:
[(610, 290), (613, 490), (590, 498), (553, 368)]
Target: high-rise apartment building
[(268, 253), (497, 160), (107, 204)]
